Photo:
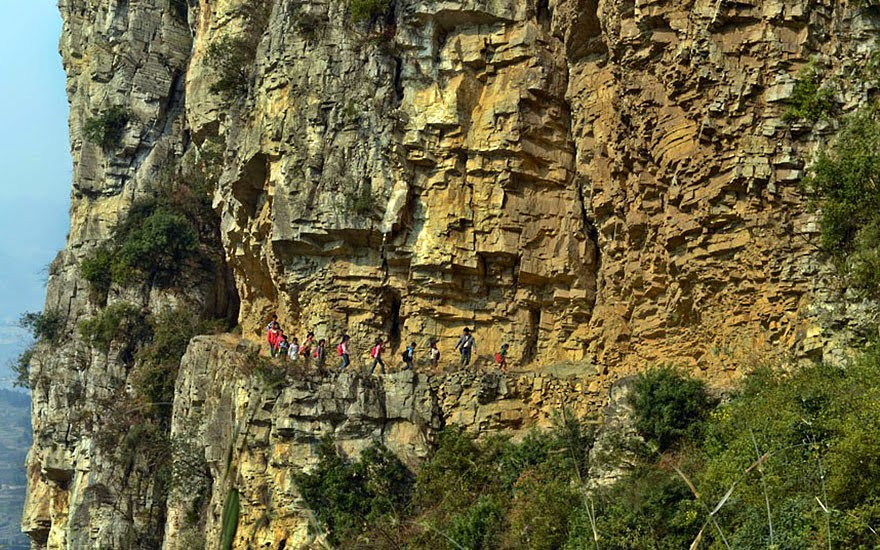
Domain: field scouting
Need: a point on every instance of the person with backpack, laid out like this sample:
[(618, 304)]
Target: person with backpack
[(283, 348), (305, 349), (466, 345), (434, 355), (342, 351), (273, 336), (408, 356), (376, 355), (293, 351), (501, 358), (320, 354)]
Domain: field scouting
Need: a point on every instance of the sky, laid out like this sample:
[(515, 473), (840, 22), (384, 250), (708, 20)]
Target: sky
[(35, 165)]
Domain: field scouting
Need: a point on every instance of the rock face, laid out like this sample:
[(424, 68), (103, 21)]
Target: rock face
[(602, 183), (255, 436)]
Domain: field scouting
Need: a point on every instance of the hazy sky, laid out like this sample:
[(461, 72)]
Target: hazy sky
[(35, 167)]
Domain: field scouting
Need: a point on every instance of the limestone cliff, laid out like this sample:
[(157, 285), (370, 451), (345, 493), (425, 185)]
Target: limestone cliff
[(605, 183)]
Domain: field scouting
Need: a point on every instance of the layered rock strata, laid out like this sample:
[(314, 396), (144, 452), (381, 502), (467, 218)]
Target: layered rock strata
[(256, 437), (603, 182)]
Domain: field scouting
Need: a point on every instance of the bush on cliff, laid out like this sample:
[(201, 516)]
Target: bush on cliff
[(843, 184), (809, 101), (158, 358), (45, 327), (230, 58), (158, 238), (349, 497), (108, 127), (365, 11), (121, 322), (669, 406), (21, 368)]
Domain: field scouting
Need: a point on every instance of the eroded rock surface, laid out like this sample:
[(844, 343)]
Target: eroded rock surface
[(601, 183), (256, 436)]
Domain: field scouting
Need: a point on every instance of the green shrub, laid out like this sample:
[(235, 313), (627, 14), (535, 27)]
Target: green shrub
[(120, 322), (157, 245), (107, 128), (307, 23), (47, 326), (809, 101), (159, 357), (540, 511), (459, 472), (649, 508), (361, 203), (669, 406), (230, 59), (842, 183), (152, 243), (817, 427), (20, 367), (348, 497), (95, 268), (365, 11), (231, 511), (479, 526)]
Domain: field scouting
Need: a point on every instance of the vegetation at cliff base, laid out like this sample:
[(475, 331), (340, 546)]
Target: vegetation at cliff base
[(669, 407), (789, 460), (346, 495)]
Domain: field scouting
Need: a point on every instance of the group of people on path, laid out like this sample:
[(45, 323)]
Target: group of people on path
[(292, 350), (309, 350)]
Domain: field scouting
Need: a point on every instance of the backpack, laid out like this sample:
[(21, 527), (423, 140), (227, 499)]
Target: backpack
[(315, 353), (375, 351), (497, 357), (405, 355), (339, 350)]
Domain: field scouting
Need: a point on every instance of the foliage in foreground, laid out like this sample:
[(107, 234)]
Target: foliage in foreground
[(469, 494), (795, 450)]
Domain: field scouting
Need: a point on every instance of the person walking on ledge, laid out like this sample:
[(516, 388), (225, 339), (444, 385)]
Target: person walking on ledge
[(408, 356), (434, 356), (320, 354), (293, 351), (342, 351), (283, 348), (376, 354), (501, 358), (305, 349), (273, 336), (466, 345)]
